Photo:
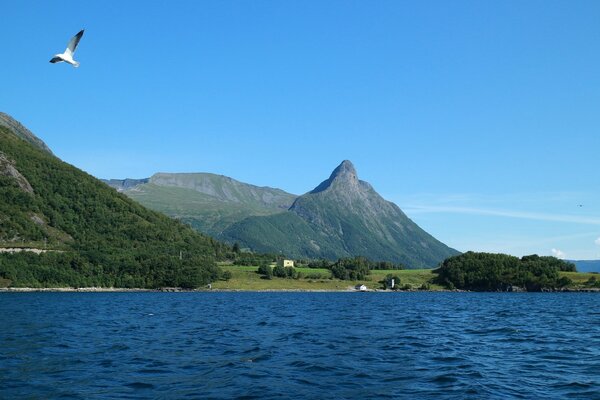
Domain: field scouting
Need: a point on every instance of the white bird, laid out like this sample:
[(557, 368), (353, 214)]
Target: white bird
[(67, 56)]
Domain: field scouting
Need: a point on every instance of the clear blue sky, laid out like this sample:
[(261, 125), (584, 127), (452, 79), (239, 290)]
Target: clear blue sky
[(480, 119)]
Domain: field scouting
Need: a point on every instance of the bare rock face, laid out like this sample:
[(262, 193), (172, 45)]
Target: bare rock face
[(343, 197), (344, 177), (7, 168)]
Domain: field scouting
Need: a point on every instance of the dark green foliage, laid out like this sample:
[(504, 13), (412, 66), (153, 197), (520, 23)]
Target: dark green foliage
[(387, 265), (388, 280), (593, 282), (547, 261), (253, 258), (500, 272), (356, 268), (279, 271), (285, 272), (265, 270), (290, 272), (227, 275), (105, 238)]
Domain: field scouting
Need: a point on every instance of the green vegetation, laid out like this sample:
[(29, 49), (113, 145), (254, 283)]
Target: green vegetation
[(342, 218), (207, 202), (94, 236), (265, 270), (501, 272), (249, 278), (582, 280), (19, 130), (355, 269), (104, 238), (392, 282)]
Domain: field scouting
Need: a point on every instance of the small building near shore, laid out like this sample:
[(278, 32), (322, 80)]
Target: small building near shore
[(285, 263), (361, 288)]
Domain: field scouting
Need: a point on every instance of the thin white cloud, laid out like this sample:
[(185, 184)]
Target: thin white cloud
[(558, 254), (597, 241), (504, 213)]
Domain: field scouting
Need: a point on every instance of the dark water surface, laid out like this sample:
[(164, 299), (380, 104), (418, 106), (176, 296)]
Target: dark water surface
[(300, 345)]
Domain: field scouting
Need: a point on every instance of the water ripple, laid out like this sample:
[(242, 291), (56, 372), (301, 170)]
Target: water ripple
[(300, 345)]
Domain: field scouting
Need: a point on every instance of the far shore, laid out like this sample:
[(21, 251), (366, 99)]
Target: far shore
[(206, 290), (173, 290)]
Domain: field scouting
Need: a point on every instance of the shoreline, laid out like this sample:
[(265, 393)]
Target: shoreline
[(180, 290)]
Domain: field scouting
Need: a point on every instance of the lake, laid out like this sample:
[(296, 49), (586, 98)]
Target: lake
[(300, 345)]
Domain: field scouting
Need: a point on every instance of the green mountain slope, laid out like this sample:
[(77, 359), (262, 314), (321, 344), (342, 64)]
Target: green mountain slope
[(284, 233), (97, 237), (342, 217), (21, 131), (208, 202)]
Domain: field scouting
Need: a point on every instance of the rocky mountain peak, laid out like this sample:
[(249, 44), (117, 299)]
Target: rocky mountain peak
[(344, 171), (342, 217), (344, 175)]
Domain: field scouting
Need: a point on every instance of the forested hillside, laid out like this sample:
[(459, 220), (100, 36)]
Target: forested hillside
[(94, 236), (342, 217)]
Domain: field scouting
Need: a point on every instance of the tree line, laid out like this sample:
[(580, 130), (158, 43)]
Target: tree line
[(501, 272)]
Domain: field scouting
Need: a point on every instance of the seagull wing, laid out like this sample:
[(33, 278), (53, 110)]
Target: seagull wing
[(56, 59), (74, 42)]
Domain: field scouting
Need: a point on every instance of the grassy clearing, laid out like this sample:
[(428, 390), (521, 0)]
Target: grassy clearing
[(579, 278), (246, 278)]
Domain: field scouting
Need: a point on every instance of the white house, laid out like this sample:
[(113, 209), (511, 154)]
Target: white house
[(285, 263), (360, 288)]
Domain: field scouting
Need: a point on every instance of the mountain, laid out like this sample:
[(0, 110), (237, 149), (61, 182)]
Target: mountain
[(587, 265), (16, 128), (89, 234), (124, 184), (208, 202), (342, 217)]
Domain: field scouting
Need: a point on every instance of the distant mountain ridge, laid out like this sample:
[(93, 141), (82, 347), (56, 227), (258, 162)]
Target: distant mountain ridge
[(208, 202), (587, 265), (124, 184), (343, 216)]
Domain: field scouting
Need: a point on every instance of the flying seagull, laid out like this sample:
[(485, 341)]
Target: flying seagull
[(67, 56)]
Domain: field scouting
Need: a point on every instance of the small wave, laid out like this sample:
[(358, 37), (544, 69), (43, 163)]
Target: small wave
[(153, 371), (140, 385), (444, 378)]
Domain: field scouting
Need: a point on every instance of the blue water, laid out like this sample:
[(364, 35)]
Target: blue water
[(300, 345)]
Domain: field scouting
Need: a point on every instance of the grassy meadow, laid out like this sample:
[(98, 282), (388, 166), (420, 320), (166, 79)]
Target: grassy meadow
[(246, 278)]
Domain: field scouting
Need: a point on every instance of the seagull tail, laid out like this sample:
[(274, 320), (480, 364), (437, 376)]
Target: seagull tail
[(75, 64)]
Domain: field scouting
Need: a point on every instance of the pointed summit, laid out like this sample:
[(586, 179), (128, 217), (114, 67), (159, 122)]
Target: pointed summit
[(344, 174), (345, 171), (342, 217)]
